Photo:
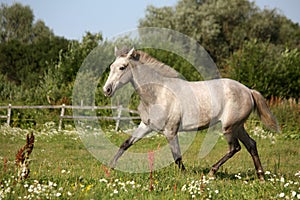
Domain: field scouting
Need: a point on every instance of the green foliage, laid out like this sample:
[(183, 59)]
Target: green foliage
[(24, 64), (16, 23), (26, 49), (59, 80), (254, 46), (288, 73), (222, 26), (72, 59), (267, 68)]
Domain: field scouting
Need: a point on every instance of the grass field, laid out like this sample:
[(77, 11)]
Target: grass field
[(62, 168)]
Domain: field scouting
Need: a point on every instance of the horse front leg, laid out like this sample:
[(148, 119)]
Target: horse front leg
[(138, 134), (175, 148)]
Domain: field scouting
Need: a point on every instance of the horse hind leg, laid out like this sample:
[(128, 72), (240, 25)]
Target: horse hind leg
[(234, 147), (250, 145)]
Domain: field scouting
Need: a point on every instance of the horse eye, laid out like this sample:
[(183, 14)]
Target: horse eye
[(123, 67)]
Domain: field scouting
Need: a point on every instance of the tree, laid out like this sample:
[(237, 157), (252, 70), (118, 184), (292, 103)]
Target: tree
[(218, 25), (15, 22), (267, 68), (40, 31), (26, 63), (222, 26), (60, 75), (256, 47), (71, 60), (26, 47)]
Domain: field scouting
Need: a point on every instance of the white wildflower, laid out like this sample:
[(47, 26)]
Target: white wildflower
[(271, 179), (238, 176), (103, 180), (281, 195), (50, 183), (7, 190), (294, 193), (286, 185), (267, 173)]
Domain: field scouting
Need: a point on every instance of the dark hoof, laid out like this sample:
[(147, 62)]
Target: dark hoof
[(180, 164), (112, 165)]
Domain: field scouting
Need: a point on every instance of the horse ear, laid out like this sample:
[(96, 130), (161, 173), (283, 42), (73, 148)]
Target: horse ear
[(116, 50), (130, 53)]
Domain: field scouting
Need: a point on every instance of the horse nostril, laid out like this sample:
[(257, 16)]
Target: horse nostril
[(107, 90)]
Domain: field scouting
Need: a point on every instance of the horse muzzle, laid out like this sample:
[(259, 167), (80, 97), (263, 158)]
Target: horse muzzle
[(108, 90)]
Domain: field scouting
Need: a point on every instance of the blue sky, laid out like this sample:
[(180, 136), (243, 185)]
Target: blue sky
[(72, 18)]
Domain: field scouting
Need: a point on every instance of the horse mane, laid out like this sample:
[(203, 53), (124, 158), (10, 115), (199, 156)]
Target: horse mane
[(149, 61)]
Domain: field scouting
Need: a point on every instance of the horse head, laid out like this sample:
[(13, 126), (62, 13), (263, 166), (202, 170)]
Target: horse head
[(120, 73)]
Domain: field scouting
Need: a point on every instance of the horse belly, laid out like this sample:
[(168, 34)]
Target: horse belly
[(201, 109), (195, 117)]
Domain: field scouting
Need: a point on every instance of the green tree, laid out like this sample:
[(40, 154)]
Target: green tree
[(270, 69), (26, 47), (58, 79), (40, 31), (26, 63), (15, 22), (222, 26), (71, 60), (247, 43), (218, 25)]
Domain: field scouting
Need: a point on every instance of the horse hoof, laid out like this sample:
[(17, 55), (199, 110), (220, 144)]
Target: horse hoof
[(211, 175), (262, 179), (112, 165)]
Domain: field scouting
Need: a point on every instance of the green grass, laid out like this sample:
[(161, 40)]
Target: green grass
[(62, 168)]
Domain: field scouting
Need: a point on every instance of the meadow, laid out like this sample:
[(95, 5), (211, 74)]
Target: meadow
[(62, 168)]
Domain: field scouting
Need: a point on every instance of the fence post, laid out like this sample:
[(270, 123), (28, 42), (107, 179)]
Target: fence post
[(120, 108), (62, 113), (8, 114)]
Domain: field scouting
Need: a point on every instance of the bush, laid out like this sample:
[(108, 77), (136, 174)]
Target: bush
[(267, 68)]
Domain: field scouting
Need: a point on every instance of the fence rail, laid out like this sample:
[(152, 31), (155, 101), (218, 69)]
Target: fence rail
[(63, 108)]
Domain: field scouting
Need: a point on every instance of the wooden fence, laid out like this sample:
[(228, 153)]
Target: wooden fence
[(63, 108)]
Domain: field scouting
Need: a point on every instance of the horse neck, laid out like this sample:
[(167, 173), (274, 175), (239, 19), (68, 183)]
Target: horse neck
[(146, 82)]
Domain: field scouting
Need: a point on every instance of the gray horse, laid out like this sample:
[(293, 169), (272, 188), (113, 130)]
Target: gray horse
[(169, 104)]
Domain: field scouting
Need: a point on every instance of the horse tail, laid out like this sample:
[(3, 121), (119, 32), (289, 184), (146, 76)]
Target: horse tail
[(264, 112)]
